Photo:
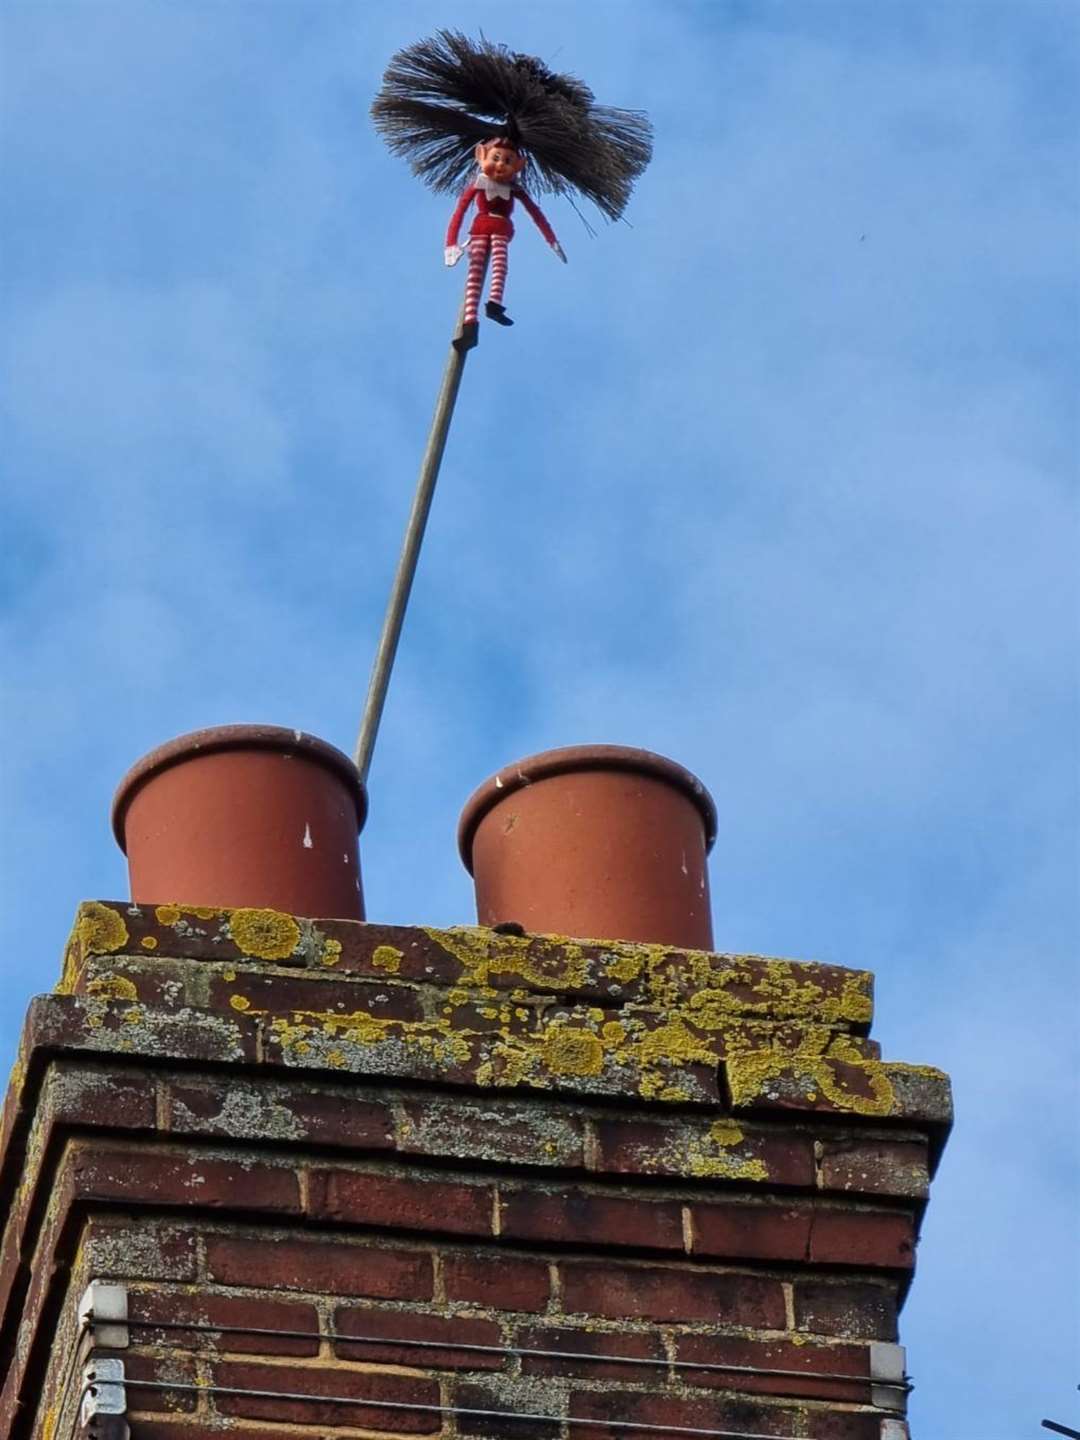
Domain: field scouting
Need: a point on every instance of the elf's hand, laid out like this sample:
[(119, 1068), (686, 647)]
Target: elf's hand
[(558, 251), (453, 253)]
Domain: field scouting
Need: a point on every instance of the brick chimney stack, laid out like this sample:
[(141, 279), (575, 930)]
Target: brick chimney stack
[(280, 1177)]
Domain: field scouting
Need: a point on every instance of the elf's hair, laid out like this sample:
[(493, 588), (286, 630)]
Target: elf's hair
[(442, 96)]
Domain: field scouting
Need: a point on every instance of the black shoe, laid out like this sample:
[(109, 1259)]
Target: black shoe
[(466, 340), (494, 311)]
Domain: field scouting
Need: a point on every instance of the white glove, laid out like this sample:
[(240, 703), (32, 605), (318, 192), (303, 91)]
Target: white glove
[(453, 253), (558, 251)]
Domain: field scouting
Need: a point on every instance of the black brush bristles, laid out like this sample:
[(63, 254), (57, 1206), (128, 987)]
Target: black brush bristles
[(441, 96)]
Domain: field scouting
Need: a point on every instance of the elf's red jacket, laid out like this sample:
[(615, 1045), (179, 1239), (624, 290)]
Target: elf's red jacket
[(493, 215)]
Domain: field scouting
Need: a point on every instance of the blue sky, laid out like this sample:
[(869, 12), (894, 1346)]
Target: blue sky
[(777, 478)]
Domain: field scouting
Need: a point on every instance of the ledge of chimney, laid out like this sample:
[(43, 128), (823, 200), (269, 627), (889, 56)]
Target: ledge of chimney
[(469, 1007)]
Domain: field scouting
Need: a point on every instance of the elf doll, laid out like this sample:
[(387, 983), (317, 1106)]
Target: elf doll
[(450, 103), (493, 193)]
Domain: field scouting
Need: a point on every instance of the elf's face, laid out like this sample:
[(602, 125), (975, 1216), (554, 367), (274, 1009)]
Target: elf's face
[(499, 162)]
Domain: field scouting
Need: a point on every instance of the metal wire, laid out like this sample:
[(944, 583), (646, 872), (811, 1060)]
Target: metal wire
[(1061, 1429), (596, 1359), (167, 1385)]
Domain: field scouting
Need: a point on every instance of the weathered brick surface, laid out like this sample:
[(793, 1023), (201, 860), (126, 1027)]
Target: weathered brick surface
[(320, 1267), (506, 1133), (802, 1233), (190, 1180), (508, 1405), (564, 1348), (267, 1110), (670, 1293), (131, 1249), (505, 1282), (148, 1378), (704, 1149), (862, 1312), (178, 1320), (333, 1390), (738, 1417), (407, 1203), (443, 1338), (580, 1217), (874, 1166), (760, 1356)]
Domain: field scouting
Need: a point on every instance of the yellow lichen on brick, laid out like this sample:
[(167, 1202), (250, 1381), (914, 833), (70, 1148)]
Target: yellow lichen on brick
[(330, 953), (481, 954), (710, 1156), (674, 1043), (266, 934), (99, 930), (149, 942), (571, 1051), (624, 968), (240, 1002), (749, 1075), (113, 987), (167, 914), (388, 958)]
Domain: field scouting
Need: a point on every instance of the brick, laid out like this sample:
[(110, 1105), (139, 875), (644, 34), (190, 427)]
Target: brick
[(705, 1150), (78, 1095), (764, 1355), (730, 1416), (578, 1342), (321, 1268), (195, 1180), (735, 1231), (358, 1197), (507, 1424), (158, 1318), (444, 1334), (130, 979), (76, 1023), (331, 1392), (313, 996), (798, 1086), (262, 1110), (139, 1250), (860, 1312), (501, 1282), (756, 985), (580, 1217), (496, 1132), (874, 1167), (148, 1377), (864, 1238), (639, 1292)]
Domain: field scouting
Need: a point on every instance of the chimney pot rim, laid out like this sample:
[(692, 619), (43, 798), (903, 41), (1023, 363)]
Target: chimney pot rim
[(217, 738), (568, 758)]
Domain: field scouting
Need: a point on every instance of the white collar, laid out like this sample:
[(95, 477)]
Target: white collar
[(491, 188)]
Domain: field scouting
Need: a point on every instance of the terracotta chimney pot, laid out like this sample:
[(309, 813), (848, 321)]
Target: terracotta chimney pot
[(245, 815), (594, 841)]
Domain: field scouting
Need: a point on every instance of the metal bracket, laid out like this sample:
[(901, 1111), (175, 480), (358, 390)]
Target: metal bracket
[(887, 1363), (104, 1392), (103, 1313)]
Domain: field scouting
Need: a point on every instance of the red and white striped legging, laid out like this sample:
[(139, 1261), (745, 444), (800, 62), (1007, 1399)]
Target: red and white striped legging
[(474, 282)]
